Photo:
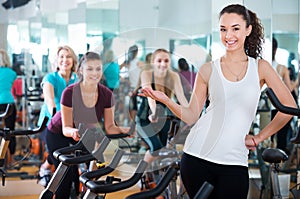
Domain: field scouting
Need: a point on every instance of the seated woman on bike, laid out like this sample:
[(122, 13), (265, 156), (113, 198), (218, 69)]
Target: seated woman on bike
[(86, 102), (151, 121)]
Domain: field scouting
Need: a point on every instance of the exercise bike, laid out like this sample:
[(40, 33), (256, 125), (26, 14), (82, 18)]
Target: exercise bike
[(169, 159), (98, 188), (81, 152), (6, 134), (276, 156)]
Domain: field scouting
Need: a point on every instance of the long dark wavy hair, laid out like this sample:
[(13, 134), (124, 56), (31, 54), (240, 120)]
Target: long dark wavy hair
[(253, 42)]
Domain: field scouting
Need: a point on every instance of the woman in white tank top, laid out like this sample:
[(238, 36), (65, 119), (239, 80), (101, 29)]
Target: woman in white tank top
[(217, 147)]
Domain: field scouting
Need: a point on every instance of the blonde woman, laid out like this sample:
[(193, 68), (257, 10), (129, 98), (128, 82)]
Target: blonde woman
[(87, 102), (53, 85)]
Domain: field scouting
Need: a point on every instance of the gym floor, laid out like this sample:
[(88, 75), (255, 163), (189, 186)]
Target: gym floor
[(253, 191), (34, 186)]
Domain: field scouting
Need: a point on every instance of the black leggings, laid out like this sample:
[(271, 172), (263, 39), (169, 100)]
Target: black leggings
[(10, 123), (56, 141), (228, 181)]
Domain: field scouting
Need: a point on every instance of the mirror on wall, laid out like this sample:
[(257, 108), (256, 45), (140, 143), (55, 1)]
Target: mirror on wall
[(93, 22), (99, 25), (87, 24), (187, 28), (286, 34)]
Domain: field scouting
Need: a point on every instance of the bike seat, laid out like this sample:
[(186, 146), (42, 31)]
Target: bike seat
[(272, 155)]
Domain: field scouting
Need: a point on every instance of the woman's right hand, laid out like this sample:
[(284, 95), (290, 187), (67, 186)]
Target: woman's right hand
[(154, 94), (74, 134)]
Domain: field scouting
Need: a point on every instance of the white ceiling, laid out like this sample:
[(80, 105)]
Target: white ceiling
[(44, 7), (187, 13), (50, 7)]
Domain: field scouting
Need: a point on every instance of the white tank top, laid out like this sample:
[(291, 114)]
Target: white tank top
[(219, 135)]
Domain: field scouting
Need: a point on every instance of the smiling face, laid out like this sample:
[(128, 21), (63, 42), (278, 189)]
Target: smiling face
[(91, 71), (64, 60), (161, 61), (233, 31)]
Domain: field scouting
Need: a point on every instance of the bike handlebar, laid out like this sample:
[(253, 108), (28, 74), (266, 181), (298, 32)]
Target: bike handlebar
[(96, 174), (109, 188), (9, 133), (160, 187), (78, 146), (123, 135), (203, 193), (74, 160), (86, 140), (7, 111), (284, 109), (279, 106)]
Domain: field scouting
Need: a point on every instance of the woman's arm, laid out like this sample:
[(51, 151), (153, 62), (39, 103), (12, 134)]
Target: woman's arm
[(191, 113), (109, 122), (48, 92), (67, 123), (269, 77)]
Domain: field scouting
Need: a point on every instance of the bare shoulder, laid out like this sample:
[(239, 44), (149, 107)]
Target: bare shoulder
[(267, 73), (264, 66), (263, 63), (140, 64), (173, 74), (146, 72)]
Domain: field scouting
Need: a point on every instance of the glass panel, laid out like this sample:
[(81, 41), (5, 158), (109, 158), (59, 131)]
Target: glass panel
[(187, 28), (286, 34), (287, 37)]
